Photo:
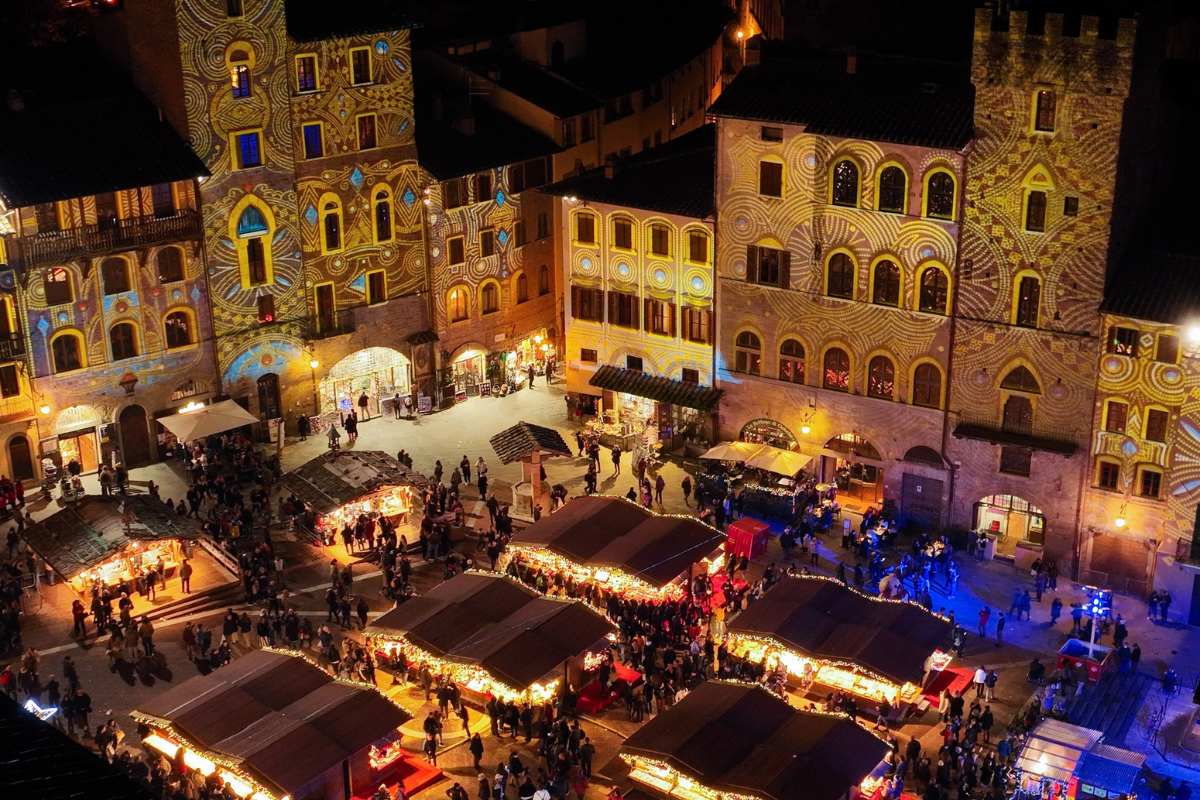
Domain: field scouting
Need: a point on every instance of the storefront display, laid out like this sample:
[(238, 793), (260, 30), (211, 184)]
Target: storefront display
[(133, 561), (395, 503), (1011, 520), (467, 370), (378, 372)]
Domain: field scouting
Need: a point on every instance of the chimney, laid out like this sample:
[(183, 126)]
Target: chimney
[(851, 61)]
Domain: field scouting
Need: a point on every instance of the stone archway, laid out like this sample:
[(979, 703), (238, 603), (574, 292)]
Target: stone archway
[(856, 466), (379, 372)]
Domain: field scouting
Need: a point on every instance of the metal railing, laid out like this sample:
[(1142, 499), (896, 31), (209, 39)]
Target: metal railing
[(324, 326), (1037, 436), (55, 247)]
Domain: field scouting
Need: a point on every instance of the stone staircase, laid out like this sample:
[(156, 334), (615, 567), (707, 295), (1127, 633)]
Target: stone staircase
[(1112, 705)]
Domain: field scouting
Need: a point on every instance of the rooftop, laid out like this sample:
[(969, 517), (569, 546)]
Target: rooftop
[(332, 480), (676, 178), (884, 101), (518, 442), (309, 21), (43, 154), (1156, 286)]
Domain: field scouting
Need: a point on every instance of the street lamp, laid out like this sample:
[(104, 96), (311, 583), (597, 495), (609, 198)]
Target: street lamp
[(312, 368)]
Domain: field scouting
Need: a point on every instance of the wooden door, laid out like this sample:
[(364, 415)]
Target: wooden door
[(135, 437), (921, 501)]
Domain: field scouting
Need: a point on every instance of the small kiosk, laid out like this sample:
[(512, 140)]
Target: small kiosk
[(337, 487), (1061, 761)]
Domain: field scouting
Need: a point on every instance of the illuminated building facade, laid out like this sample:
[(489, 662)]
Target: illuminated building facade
[(836, 251), (637, 238), (104, 323), (313, 224)]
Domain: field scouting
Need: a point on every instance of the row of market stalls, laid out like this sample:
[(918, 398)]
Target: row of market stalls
[(338, 486), (273, 726), (732, 741), (621, 547), (495, 637)]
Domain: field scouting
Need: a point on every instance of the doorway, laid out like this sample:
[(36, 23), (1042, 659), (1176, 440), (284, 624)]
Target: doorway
[(268, 396), (921, 501), (1011, 519), (80, 446), (20, 458), (135, 437)]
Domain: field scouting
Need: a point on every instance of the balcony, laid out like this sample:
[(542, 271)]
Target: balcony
[(326, 326), (1050, 440), (12, 346), (55, 247)]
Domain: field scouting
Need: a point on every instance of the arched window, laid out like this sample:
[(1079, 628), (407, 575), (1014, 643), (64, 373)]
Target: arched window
[(1025, 307), (252, 222), (67, 351), (522, 288), (845, 183), (881, 378), (885, 287), (939, 195), (178, 328), (115, 272), (383, 216), (252, 237), (239, 71), (840, 281), (835, 370), (122, 340), (1020, 379), (489, 298), (456, 304), (934, 291), (544, 280), (170, 265), (748, 353), (331, 226), (791, 361), (927, 386), (893, 190)]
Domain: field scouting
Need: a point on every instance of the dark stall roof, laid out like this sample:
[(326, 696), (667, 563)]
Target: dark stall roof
[(1160, 287), (823, 619), (498, 140), (613, 532), (331, 480), (284, 721), (676, 178), (38, 760), (1115, 769), (885, 103), (655, 387), (91, 531), (510, 631), (308, 20), (740, 738), (518, 442)]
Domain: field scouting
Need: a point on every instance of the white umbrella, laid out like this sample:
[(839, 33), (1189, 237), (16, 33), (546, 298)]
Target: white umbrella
[(216, 418), (732, 451), (778, 460)]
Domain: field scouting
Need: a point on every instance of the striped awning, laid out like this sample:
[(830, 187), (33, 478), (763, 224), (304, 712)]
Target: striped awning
[(654, 387)]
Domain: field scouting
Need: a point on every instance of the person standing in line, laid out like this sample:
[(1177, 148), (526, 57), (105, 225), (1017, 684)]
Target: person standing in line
[(616, 459), (396, 404), (364, 411)]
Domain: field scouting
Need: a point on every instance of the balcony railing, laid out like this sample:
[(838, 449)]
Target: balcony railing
[(1048, 439), (12, 345), (327, 325), (55, 247)]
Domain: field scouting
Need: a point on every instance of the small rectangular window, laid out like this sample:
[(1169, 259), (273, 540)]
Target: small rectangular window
[(690, 375), (58, 286), (453, 194), (487, 242), (543, 225), (519, 233), (306, 73), (516, 178), (623, 234), (535, 173), (697, 248), (1122, 341), (162, 200), (696, 324), (247, 150), (1115, 415), (1070, 206), (314, 140), (454, 248), (266, 308), (587, 130), (233, 8), (1044, 103), (1035, 212), (1108, 475), (772, 134), (10, 384), (240, 75), (1150, 483), (366, 132), (483, 187), (660, 240), (1016, 460), (585, 229), (376, 287), (1167, 350), (568, 133), (587, 304), (588, 355), (360, 65), (770, 179), (1156, 425), (623, 310), (660, 317), (634, 363)]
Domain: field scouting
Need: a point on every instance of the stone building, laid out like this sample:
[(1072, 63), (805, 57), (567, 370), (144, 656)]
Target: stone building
[(104, 323)]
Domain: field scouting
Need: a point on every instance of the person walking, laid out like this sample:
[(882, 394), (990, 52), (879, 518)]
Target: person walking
[(363, 410), (686, 485), (616, 459), (659, 485), (476, 748), (1055, 611), (980, 680), (464, 467), (1000, 619), (481, 471), (985, 614), (146, 634), (303, 426), (397, 403)]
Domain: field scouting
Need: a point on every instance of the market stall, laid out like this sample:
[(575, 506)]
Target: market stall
[(825, 633), (337, 487), (1061, 761), (272, 726), (731, 741), (109, 541), (678, 413), (617, 546), (493, 636)]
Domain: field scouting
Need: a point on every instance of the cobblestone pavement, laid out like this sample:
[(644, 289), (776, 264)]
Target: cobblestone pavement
[(465, 430)]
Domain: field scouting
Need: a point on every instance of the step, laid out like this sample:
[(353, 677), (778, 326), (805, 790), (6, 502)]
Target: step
[(213, 597)]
